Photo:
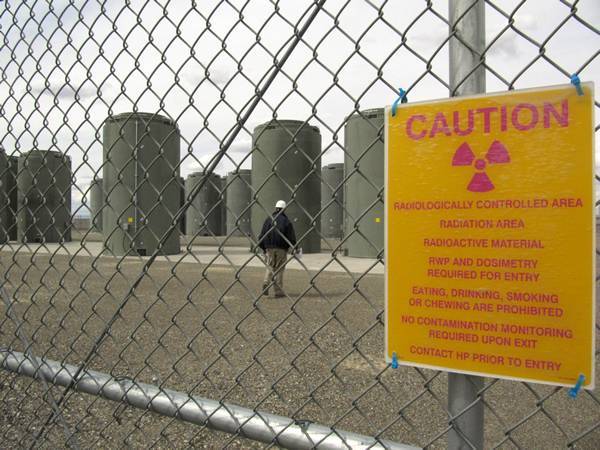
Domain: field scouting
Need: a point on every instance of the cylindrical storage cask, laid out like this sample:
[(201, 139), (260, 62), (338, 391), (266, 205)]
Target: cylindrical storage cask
[(363, 194), (4, 199), (239, 196), (96, 204), (181, 185), (223, 206), (44, 197), (141, 159), (332, 200), (203, 217), (13, 198), (286, 165)]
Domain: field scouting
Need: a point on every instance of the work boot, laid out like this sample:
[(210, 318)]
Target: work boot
[(265, 287), (279, 294)]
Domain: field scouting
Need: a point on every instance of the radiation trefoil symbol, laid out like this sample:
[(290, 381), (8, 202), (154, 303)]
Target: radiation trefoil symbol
[(464, 156)]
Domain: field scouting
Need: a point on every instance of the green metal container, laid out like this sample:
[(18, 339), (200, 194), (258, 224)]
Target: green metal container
[(223, 206), (239, 196), (363, 194), (203, 217), (181, 185), (332, 200), (140, 172), (286, 165), (13, 168), (44, 197), (96, 204), (4, 197)]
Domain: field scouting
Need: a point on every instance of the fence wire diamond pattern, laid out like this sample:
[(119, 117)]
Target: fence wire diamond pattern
[(154, 330)]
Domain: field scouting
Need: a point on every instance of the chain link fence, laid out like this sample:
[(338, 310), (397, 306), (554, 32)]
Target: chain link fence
[(141, 318)]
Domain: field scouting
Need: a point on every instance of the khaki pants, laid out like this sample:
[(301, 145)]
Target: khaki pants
[(276, 258)]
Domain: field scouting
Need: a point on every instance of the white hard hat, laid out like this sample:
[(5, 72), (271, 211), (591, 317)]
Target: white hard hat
[(280, 204)]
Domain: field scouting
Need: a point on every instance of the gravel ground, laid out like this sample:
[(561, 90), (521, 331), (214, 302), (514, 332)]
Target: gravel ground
[(316, 355)]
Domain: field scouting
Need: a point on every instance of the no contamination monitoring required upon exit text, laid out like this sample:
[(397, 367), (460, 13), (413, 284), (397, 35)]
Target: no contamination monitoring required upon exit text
[(490, 235)]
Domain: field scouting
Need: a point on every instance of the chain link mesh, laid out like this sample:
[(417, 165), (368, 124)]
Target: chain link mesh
[(197, 322)]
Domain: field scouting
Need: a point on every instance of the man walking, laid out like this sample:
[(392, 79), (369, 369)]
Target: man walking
[(276, 237)]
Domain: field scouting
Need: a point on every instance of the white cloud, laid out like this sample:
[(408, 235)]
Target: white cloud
[(220, 75), (505, 47), (361, 67), (240, 147), (63, 90)]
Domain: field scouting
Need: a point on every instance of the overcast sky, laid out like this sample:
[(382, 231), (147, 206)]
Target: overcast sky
[(64, 70)]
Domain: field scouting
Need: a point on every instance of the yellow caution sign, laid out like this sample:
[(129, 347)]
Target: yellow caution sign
[(490, 235)]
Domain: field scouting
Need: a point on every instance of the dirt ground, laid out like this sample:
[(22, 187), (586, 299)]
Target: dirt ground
[(205, 330)]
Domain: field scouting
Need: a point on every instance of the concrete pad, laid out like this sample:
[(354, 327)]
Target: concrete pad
[(232, 256)]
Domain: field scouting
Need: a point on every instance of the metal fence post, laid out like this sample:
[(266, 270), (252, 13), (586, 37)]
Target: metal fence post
[(467, 76)]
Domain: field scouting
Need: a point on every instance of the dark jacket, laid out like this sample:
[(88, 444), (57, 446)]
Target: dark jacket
[(277, 232)]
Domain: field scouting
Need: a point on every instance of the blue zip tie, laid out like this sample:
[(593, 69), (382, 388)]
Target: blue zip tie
[(575, 389), (394, 361), (401, 99), (575, 81)]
